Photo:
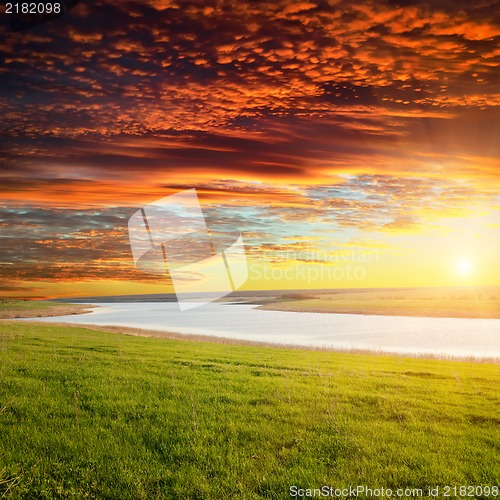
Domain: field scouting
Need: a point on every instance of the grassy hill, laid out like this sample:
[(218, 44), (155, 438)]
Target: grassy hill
[(91, 414)]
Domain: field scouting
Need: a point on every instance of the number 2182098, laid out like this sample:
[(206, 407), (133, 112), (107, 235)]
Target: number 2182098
[(33, 8)]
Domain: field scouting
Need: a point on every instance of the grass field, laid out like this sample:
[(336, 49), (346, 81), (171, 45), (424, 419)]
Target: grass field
[(438, 302), (10, 309), (90, 414)]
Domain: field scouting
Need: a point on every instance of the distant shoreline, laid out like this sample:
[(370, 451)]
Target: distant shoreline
[(264, 296), (434, 302), (474, 303), (22, 309)]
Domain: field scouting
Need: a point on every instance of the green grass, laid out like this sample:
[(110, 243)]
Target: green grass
[(88, 414)]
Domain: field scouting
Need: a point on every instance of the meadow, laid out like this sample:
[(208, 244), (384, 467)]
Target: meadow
[(93, 414), (438, 302), (10, 309)]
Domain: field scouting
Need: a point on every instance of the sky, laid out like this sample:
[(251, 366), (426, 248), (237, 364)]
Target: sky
[(351, 144)]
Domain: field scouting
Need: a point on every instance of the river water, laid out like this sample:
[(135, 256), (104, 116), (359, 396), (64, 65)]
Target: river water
[(397, 334)]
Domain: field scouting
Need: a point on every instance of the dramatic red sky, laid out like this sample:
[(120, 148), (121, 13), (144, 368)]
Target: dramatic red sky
[(329, 133)]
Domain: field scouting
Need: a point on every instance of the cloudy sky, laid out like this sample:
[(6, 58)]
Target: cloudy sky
[(352, 144)]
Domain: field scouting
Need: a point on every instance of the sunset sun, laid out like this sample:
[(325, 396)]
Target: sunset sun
[(464, 267)]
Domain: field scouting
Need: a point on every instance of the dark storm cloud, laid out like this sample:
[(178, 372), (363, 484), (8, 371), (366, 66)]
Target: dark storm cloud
[(149, 66), (277, 88)]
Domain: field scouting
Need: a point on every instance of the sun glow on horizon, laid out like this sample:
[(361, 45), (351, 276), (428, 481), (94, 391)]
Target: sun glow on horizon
[(464, 267)]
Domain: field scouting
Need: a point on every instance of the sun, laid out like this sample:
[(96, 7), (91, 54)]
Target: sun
[(464, 267)]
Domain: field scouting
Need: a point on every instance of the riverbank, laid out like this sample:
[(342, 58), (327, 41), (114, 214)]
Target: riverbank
[(420, 336), (481, 302), (12, 309)]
